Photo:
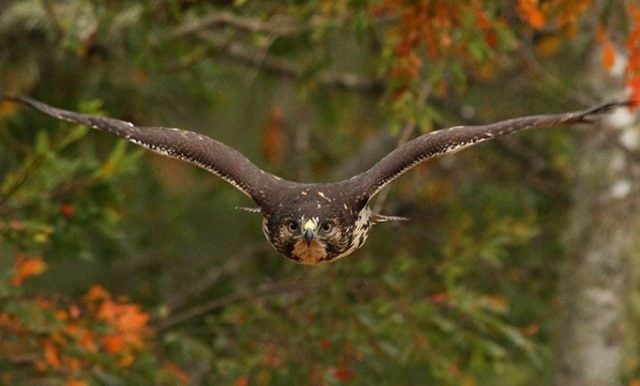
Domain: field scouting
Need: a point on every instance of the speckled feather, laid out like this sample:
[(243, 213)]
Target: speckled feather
[(342, 219)]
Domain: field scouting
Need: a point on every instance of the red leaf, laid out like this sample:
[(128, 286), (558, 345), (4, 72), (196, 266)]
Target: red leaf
[(342, 374), (634, 85), (67, 210), (242, 381), (439, 298)]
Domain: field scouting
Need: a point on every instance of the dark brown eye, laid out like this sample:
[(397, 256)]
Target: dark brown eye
[(292, 226), (326, 227)]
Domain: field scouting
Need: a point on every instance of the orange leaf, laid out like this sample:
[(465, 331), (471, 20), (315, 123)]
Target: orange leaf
[(96, 293), (497, 303), (242, 381), (531, 329), (549, 45), (273, 138), (126, 360), (634, 85), (76, 382), (51, 355), (26, 267), (608, 56), (41, 365), (177, 372), (529, 11), (87, 341), (113, 343), (73, 364), (7, 108)]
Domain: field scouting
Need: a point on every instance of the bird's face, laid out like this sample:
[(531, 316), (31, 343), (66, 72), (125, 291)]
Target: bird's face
[(315, 234)]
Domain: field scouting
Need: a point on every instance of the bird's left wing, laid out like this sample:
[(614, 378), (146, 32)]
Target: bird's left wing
[(200, 150), (446, 141)]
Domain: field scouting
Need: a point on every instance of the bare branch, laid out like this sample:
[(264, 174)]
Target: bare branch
[(212, 276), (287, 68), (262, 291), (277, 27)]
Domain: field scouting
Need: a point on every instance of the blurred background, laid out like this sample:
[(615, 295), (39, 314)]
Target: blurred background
[(121, 267)]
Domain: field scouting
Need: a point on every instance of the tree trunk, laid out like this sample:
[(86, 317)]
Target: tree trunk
[(603, 228)]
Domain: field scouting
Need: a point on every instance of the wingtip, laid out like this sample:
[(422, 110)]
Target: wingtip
[(18, 99), (589, 115), (611, 105)]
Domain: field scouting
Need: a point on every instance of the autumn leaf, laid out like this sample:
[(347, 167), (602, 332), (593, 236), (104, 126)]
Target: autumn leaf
[(26, 267), (608, 56), (126, 360), (325, 344), (177, 373), (96, 293), (497, 303), (67, 210), (439, 298), (633, 48), (113, 343), (7, 108), (76, 382), (51, 355), (242, 381), (529, 11), (531, 329), (342, 374), (273, 138), (634, 85), (549, 45), (87, 341)]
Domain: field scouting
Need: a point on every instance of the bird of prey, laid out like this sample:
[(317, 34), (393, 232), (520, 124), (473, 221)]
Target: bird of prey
[(312, 223)]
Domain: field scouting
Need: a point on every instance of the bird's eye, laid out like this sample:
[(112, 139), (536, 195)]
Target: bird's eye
[(326, 227), (292, 226)]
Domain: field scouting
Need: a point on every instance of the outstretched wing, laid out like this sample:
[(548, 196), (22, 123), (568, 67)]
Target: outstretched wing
[(200, 150), (446, 141)]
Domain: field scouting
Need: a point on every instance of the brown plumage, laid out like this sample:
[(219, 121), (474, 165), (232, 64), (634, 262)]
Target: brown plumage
[(312, 223)]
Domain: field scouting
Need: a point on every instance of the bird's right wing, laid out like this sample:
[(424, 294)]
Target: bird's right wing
[(200, 150)]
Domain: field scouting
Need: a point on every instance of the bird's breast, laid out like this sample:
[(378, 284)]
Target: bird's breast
[(309, 253)]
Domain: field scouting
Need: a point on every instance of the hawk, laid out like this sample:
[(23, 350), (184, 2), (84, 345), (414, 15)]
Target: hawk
[(312, 223)]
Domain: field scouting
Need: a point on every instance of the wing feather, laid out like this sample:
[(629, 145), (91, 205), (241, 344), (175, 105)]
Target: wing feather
[(200, 150), (447, 141)]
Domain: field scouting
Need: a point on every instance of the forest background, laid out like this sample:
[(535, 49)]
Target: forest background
[(519, 264)]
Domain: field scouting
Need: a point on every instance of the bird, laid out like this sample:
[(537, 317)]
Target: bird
[(313, 223)]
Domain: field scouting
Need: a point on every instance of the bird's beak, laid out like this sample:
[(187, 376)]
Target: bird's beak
[(308, 230)]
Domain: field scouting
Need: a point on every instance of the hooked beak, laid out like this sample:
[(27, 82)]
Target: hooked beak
[(308, 230)]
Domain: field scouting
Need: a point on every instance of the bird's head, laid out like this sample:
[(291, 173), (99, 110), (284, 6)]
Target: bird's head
[(315, 228)]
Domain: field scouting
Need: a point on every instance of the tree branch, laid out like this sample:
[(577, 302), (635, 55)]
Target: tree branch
[(278, 27), (286, 68), (212, 276), (202, 309)]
